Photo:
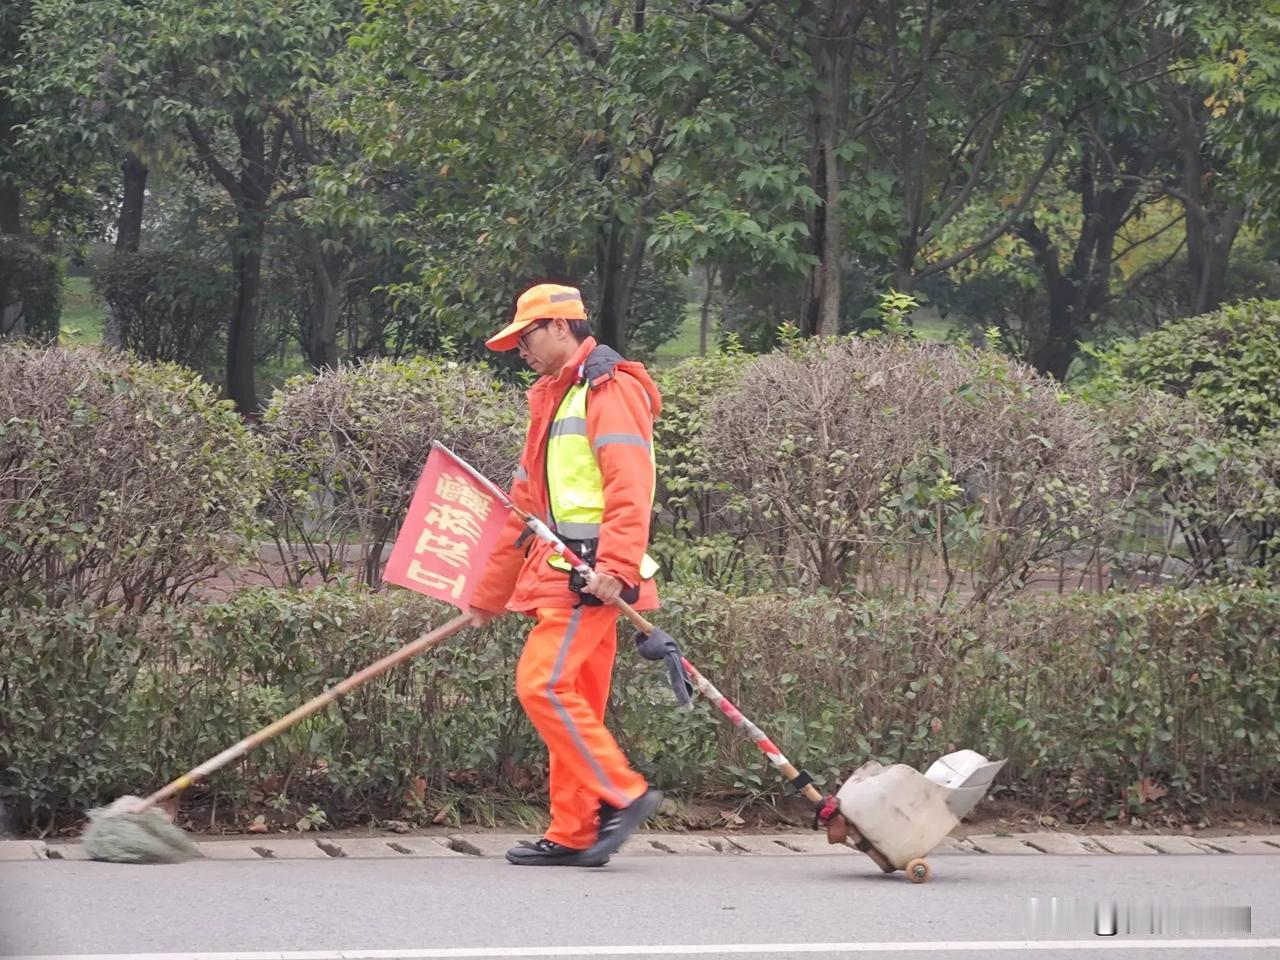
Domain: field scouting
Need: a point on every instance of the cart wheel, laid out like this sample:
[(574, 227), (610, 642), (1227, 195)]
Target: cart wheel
[(918, 871)]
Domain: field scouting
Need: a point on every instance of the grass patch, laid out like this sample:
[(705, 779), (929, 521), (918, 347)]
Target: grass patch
[(932, 328), (685, 343), (271, 374), (83, 313)]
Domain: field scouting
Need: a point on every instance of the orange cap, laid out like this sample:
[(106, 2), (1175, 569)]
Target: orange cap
[(546, 301)]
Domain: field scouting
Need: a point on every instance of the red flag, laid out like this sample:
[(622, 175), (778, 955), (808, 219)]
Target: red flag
[(446, 539)]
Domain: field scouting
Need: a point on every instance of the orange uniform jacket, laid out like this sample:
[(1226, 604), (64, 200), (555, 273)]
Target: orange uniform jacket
[(624, 401)]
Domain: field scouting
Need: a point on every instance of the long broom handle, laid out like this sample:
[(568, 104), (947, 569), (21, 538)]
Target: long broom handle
[(408, 651)]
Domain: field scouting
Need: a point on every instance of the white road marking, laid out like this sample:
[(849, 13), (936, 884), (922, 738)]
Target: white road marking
[(689, 949)]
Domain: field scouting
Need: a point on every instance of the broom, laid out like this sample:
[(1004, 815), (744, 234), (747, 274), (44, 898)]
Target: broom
[(132, 830)]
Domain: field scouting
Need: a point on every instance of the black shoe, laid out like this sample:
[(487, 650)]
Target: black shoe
[(607, 812), (544, 853), (617, 825)]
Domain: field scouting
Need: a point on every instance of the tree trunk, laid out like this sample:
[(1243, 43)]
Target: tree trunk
[(910, 129), (811, 304), (1211, 224), (246, 260), (252, 192), (704, 325), (1210, 236), (1077, 295), (832, 247), (830, 50), (11, 322), (611, 313), (820, 310), (129, 223), (128, 235), (324, 334), (1051, 347), (329, 282), (1052, 353), (10, 209)]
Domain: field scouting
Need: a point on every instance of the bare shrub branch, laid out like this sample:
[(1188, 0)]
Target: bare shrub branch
[(347, 447), (888, 466)]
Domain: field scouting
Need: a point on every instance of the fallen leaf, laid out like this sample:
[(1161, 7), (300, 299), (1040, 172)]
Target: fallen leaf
[(259, 825), (731, 818), (416, 793), (1150, 791)]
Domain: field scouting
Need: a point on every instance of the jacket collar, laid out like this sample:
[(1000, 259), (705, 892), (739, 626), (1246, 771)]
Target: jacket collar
[(571, 372)]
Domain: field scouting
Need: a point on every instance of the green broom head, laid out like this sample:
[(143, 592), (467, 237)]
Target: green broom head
[(120, 833)]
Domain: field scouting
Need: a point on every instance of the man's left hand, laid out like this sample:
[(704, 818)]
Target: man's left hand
[(604, 587)]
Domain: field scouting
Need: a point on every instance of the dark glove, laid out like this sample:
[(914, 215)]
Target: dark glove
[(578, 584), (660, 645), (586, 551)]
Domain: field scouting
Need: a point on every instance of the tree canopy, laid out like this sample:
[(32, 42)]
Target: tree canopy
[(380, 178)]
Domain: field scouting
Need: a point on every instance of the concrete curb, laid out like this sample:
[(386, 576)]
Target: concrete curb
[(461, 846)]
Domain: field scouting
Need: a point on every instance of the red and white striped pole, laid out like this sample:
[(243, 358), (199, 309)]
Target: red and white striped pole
[(704, 686)]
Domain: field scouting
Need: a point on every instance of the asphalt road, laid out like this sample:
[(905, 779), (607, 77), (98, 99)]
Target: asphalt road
[(663, 906)]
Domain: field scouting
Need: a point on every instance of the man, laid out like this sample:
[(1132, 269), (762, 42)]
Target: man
[(587, 470)]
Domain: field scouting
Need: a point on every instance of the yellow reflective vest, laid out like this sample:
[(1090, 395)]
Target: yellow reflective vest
[(575, 488)]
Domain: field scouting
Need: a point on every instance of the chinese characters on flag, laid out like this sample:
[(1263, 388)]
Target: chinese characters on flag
[(448, 534)]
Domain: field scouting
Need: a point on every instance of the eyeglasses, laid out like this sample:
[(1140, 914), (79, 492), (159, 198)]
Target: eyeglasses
[(523, 340)]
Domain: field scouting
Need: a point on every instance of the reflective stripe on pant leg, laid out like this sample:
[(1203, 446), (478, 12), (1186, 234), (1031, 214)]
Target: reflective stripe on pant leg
[(617, 799), (575, 800)]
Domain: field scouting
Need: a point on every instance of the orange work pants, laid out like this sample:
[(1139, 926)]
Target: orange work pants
[(562, 681)]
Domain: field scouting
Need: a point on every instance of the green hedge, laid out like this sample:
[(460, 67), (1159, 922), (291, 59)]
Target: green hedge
[(1224, 361), (31, 280), (121, 482), (347, 447), (1087, 696), (172, 305)]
